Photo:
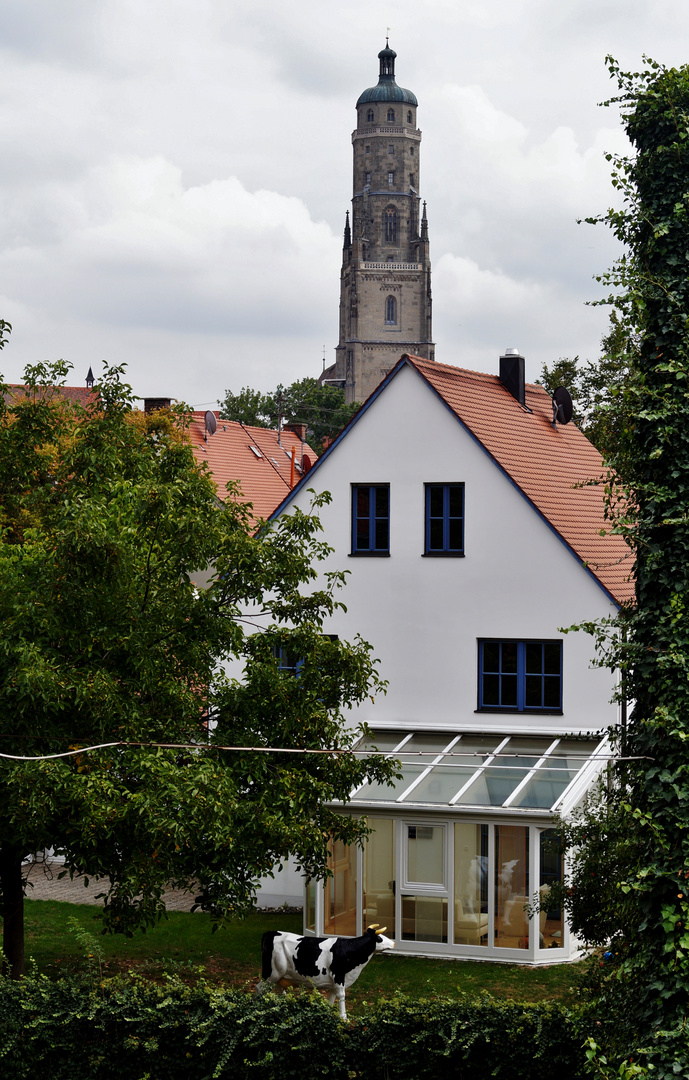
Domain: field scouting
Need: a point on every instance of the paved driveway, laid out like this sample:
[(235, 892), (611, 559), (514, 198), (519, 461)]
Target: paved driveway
[(44, 884)]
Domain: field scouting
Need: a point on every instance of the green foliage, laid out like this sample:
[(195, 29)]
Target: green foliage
[(172, 1031), (5, 331), (599, 390), (321, 408), (637, 838), (104, 639)]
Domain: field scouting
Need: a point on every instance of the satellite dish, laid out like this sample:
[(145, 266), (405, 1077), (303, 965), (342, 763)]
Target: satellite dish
[(211, 423), (306, 464), (562, 406)]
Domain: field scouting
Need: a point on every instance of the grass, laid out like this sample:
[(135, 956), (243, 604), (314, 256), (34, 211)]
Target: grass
[(231, 957)]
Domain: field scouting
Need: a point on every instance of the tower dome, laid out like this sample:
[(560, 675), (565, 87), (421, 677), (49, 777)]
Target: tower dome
[(387, 89)]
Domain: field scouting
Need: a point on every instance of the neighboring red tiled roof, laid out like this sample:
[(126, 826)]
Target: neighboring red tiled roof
[(546, 463), (80, 394), (263, 472)]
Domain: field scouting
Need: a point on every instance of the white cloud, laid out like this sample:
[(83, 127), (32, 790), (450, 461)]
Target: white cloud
[(175, 175)]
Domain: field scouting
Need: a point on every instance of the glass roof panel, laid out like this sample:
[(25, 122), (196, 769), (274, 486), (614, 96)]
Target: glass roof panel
[(442, 784), (573, 753), (376, 792), (488, 785), (528, 751), (492, 786), (383, 740), (430, 743), (545, 787), (478, 746)]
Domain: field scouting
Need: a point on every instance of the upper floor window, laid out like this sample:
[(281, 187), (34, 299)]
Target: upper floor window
[(369, 115), (411, 179), (411, 151), (371, 519), (409, 117), (391, 311), (520, 676), (391, 148), (368, 178), (444, 519), (288, 661), (391, 116), (390, 224), (391, 178), (368, 149)]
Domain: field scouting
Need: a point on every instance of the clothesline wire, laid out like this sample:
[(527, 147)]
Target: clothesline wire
[(76, 750)]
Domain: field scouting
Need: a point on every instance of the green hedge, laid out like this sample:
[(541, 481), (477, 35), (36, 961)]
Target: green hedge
[(135, 1030)]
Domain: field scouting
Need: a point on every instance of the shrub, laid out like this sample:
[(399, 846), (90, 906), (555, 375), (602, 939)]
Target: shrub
[(142, 1031)]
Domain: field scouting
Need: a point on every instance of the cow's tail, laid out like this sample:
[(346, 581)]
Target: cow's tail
[(267, 953)]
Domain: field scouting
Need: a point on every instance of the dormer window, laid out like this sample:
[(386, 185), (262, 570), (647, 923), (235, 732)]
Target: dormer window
[(369, 116), (391, 116)]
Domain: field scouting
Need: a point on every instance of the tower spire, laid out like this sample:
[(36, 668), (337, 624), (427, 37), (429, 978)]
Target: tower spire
[(424, 223), (347, 232)]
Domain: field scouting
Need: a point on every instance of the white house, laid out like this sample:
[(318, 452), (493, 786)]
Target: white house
[(472, 537)]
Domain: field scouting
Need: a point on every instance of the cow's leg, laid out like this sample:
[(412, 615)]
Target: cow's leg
[(340, 995)]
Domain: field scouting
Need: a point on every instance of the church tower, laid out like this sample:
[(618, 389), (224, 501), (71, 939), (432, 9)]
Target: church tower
[(385, 290)]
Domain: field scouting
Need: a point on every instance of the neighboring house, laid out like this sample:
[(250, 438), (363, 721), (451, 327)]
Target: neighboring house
[(473, 538), (266, 464)]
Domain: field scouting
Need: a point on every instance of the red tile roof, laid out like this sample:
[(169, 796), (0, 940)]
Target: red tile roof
[(253, 457), (547, 464), (80, 394)]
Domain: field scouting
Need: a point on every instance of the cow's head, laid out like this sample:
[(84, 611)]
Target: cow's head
[(382, 943)]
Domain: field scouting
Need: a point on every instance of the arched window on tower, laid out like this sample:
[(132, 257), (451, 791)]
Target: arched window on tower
[(391, 116), (409, 117), (390, 225), (390, 311), (369, 115)]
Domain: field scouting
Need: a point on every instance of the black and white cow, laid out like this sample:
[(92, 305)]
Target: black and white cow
[(328, 963)]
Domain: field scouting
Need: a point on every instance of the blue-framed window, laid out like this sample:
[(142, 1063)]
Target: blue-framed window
[(371, 519), (444, 519), (288, 661), (520, 676)]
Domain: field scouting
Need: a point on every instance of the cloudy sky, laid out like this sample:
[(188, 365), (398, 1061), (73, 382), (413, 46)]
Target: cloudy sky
[(174, 176)]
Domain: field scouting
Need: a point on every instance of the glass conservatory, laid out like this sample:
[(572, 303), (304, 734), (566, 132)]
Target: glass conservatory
[(463, 847)]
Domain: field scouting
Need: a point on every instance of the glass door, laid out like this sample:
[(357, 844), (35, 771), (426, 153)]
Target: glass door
[(424, 889)]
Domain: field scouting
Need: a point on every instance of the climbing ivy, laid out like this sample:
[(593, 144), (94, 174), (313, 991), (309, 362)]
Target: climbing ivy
[(630, 879)]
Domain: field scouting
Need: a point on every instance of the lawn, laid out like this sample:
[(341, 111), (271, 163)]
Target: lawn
[(231, 957)]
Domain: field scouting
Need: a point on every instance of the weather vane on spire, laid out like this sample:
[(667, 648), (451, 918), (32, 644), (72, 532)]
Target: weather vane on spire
[(387, 37)]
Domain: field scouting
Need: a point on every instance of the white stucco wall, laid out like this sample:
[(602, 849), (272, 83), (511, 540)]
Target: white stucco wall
[(424, 616)]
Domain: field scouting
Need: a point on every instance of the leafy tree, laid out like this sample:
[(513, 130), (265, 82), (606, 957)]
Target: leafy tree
[(634, 842), (248, 407), (598, 389), (105, 642), (321, 408), (5, 331)]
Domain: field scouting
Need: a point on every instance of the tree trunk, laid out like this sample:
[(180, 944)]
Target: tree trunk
[(13, 912)]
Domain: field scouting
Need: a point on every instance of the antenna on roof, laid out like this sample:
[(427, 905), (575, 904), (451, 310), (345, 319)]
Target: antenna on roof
[(562, 406), (211, 424)]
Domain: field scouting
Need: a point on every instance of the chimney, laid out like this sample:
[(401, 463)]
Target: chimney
[(512, 374), (298, 429), (152, 404)]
